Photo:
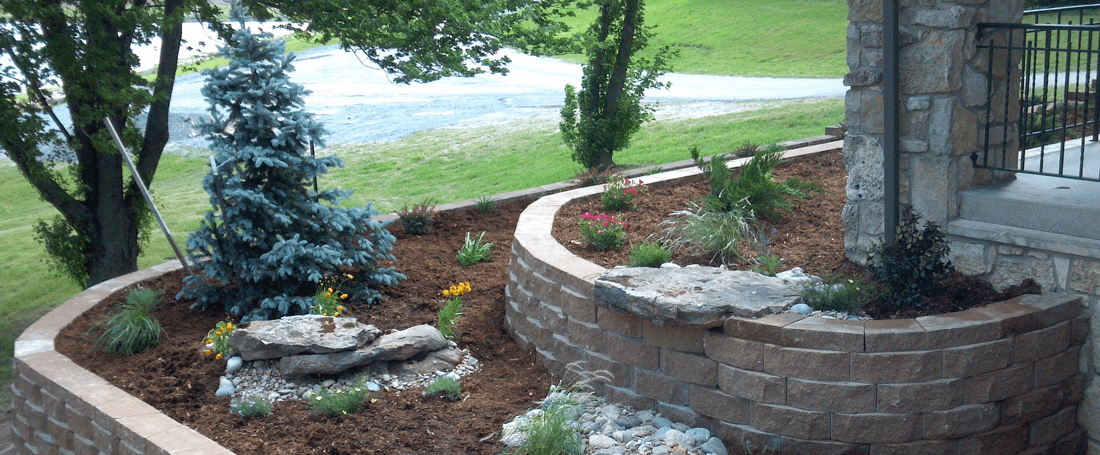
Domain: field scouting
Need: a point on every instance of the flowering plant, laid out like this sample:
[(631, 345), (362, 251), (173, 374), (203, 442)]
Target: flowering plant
[(449, 312), (622, 194), (328, 297), (217, 340), (605, 232)]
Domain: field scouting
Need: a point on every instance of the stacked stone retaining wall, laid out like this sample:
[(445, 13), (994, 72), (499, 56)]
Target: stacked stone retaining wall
[(999, 379)]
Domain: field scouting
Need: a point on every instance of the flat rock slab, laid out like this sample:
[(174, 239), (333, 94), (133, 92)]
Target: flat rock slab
[(395, 346), (694, 296), (291, 335)]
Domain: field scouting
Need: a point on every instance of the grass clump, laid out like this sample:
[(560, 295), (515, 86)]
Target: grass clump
[(649, 254), (847, 296), (418, 219), (474, 251), (754, 187), (250, 407), (340, 401), (133, 329), (445, 387), (703, 231), (486, 204)]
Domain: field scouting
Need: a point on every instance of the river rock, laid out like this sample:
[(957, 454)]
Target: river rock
[(694, 296), (442, 360), (225, 387), (291, 335), (395, 346)]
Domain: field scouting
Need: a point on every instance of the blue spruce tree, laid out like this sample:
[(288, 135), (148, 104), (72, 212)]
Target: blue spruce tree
[(270, 238)]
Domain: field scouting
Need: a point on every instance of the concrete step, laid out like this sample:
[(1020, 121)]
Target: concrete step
[(1039, 203)]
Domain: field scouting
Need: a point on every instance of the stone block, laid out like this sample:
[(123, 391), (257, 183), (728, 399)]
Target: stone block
[(938, 395), (932, 65), (619, 322), (683, 339), (999, 385), (836, 334), (863, 160), (788, 421), (752, 385), (846, 397), (954, 17), (658, 386), (931, 185), (1010, 271), (746, 437), (864, 11), (917, 448), (1053, 308), (960, 422), (876, 428), (1085, 276), (768, 329), (621, 374), (712, 402), (1015, 319), (1031, 406), (1073, 388), (693, 368), (733, 351), (588, 336), (893, 335), (802, 446), (633, 352), (970, 258), (552, 317), (1055, 369), (1043, 343), (683, 414), (915, 366), (809, 364), (975, 359), (959, 329), (1048, 430), (1079, 330), (628, 397), (578, 306)]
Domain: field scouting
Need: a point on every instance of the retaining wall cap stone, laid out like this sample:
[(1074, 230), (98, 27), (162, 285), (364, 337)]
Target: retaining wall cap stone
[(694, 296)]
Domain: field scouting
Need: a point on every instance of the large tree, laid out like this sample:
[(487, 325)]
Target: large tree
[(85, 49), (599, 120)]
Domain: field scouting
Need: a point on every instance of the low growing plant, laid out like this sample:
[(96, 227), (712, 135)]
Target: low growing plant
[(840, 295), (133, 329), (444, 387), (918, 257), (754, 187), (649, 254), (622, 194), (485, 204), (340, 401), (250, 407), (766, 263), (604, 232), (217, 340), (452, 310), (473, 251), (418, 219), (328, 297), (703, 231)]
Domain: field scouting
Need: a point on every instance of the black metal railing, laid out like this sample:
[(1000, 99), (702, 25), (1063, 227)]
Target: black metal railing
[(1042, 82)]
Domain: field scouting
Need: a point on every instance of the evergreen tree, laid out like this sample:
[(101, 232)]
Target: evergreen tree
[(599, 120), (269, 237)]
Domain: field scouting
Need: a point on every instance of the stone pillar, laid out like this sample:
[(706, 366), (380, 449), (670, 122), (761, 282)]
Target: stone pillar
[(944, 84)]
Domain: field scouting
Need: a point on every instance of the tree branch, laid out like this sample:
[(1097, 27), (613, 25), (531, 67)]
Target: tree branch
[(156, 127)]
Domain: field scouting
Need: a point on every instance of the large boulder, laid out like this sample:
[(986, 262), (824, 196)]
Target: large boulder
[(291, 335), (395, 346), (694, 296)]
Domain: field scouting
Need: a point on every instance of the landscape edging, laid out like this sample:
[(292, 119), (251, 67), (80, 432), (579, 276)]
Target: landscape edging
[(1004, 375)]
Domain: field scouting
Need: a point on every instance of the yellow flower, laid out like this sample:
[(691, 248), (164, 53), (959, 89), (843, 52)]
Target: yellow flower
[(218, 357), (339, 308), (208, 352), (336, 315), (208, 342), (349, 276), (446, 293), (343, 296), (328, 295)]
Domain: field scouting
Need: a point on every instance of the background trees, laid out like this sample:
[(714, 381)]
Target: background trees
[(600, 118), (85, 48)]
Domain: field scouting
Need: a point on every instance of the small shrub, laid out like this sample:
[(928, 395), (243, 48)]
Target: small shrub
[(418, 219), (747, 149), (444, 387), (622, 194), (485, 204), (754, 188), (649, 254), (133, 329), (604, 232), (473, 251), (327, 300), (340, 401), (703, 231), (591, 177), (250, 407), (848, 296), (451, 311), (217, 340), (918, 258)]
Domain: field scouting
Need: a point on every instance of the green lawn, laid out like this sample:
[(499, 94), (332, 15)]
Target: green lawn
[(782, 38)]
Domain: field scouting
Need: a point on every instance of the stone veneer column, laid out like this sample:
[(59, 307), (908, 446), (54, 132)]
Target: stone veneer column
[(944, 93)]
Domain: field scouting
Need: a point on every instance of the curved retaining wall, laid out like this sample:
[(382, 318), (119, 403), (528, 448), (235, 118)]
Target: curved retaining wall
[(999, 379)]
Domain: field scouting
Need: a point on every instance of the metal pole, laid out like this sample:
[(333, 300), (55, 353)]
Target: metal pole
[(890, 121), (145, 192)]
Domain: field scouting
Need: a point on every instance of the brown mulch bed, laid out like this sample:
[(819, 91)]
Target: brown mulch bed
[(174, 378)]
